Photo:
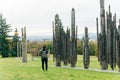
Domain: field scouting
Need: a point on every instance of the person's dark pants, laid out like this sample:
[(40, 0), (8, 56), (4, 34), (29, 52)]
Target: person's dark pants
[(44, 61)]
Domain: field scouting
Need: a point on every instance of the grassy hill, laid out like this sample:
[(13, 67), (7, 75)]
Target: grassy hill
[(14, 69)]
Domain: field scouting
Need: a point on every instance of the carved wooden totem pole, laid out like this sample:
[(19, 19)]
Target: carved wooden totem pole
[(24, 46), (86, 59)]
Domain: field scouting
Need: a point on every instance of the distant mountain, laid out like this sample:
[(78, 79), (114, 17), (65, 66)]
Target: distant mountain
[(39, 38), (92, 36)]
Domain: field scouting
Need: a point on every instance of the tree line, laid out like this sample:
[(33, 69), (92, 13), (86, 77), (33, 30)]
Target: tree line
[(36, 46)]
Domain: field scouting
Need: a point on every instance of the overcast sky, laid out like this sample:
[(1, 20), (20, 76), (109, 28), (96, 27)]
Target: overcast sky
[(37, 15)]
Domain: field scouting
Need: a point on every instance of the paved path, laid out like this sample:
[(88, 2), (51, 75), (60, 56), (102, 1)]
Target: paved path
[(92, 69)]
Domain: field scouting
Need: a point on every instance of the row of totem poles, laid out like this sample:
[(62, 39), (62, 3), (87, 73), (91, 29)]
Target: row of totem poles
[(65, 43), (108, 40)]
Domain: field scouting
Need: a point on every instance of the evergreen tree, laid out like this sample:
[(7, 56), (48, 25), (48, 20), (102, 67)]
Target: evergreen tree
[(14, 44), (4, 42)]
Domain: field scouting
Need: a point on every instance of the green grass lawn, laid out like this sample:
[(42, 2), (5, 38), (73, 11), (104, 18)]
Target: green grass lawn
[(13, 69)]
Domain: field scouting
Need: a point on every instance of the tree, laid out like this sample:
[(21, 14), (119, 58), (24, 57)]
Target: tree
[(4, 41), (80, 47), (93, 47), (15, 40)]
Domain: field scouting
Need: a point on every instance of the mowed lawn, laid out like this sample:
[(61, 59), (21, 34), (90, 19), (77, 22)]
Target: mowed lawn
[(14, 69)]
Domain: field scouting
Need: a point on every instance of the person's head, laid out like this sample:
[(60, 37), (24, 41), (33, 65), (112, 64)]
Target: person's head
[(44, 47)]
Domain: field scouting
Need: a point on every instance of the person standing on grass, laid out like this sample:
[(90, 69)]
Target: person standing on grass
[(44, 58)]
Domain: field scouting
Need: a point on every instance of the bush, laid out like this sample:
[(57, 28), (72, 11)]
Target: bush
[(92, 47), (49, 45)]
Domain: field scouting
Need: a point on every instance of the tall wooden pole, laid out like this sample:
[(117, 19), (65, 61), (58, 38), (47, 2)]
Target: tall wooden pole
[(53, 40), (57, 41), (104, 64), (86, 59), (114, 41), (74, 54), (98, 50), (68, 45), (118, 47), (24, 46)]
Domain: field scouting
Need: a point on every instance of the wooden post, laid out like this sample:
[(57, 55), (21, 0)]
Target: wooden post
[(74, 54), (98, 39), (118, 47), (86, 59), (24, 46), (58, 42), (104, 64)]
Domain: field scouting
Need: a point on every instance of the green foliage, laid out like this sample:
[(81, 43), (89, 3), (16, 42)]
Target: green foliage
[(92, 47), (79, 47), (34, 46), (13, 52), (4, 42), (49, 45)]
